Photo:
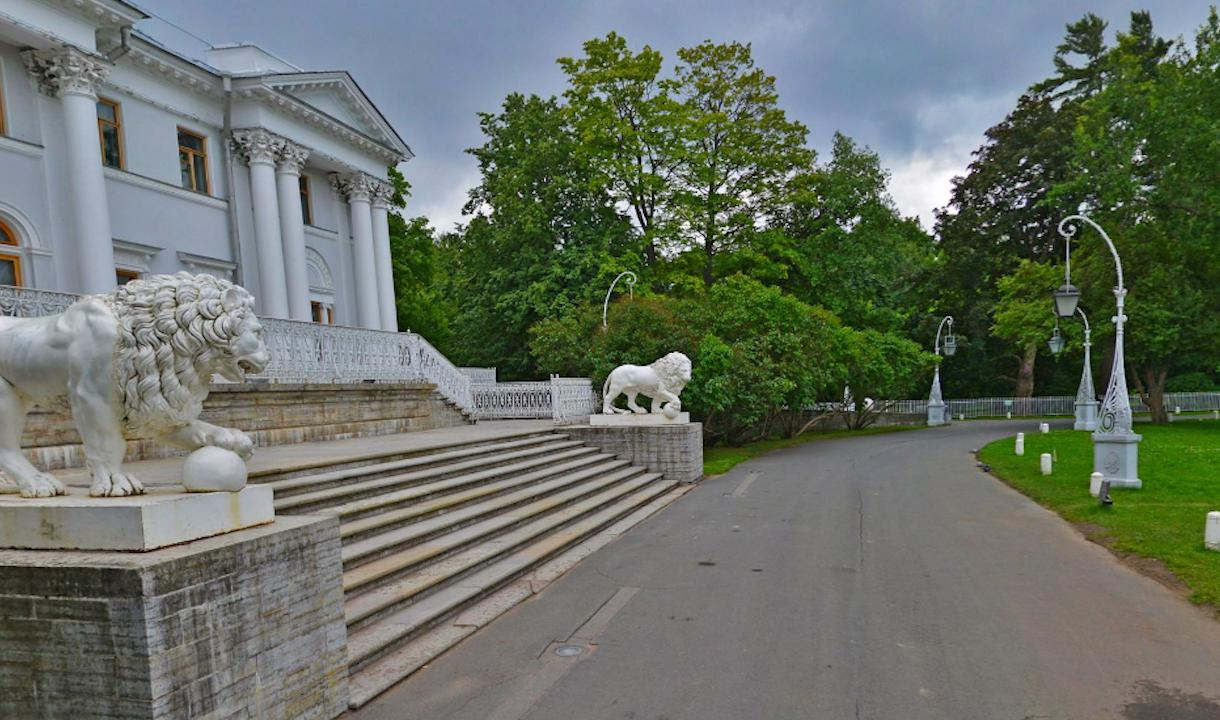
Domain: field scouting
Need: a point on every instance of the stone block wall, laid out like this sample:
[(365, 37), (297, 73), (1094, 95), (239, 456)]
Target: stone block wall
[(244, 625), (675, 450), (273, 414)]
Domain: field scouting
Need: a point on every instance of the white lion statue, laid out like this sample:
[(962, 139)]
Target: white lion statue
[(662, 381), (133, 363)]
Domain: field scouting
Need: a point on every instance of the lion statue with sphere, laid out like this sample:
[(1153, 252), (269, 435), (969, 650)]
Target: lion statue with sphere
[(133, 363), (662, 381)]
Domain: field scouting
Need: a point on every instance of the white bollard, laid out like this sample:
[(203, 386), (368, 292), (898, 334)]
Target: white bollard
[(1045, 462), (1044, 428), (1095, 483), (1211, 535), (1020, 443), (1177, 409), (1215, 414), (1010, 414), (1170, 418), (961, 416)]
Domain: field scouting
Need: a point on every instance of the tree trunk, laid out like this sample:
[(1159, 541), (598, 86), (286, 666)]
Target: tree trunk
[(1025, 372), (1152, 392)]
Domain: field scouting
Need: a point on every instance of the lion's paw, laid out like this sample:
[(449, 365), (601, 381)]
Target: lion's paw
[(42, 485), (113, 483), (234, 440)]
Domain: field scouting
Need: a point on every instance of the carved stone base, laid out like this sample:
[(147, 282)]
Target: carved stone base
[(1086, 415), (938, 414), (1117, 458), (162, 517), (673, 449)]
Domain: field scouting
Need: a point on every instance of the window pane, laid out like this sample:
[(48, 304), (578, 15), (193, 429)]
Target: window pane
[(184, 164), (201, 173), (110, 147), (188, 140), (306, 214), (105, 111), (8, 271)]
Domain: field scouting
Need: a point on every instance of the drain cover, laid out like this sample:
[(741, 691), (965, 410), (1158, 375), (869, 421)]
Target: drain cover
[(568, 650)]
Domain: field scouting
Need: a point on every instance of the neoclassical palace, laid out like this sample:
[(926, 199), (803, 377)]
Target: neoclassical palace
[(120, 157)]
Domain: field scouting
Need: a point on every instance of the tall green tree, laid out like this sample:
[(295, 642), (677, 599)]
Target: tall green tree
[(1024, 317), (739, 151), (413, 253)]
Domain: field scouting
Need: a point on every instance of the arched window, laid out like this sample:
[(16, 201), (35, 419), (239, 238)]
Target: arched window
[(10, 262)]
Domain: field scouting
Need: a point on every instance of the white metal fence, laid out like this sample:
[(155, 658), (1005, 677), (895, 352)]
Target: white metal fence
[(1050, 405), (564, 400), (307, 352)]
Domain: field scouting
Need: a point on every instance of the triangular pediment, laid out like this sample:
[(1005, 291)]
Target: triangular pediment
[(336, 95)]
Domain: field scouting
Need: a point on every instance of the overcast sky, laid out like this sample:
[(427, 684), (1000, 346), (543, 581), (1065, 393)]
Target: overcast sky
[(917, 80)]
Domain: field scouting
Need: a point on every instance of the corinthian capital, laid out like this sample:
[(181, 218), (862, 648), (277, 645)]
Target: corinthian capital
[(381, 193), (292, 157), (256, 145), (66, 70), (354, 186)]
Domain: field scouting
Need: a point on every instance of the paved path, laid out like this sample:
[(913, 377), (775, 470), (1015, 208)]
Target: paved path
[(879, 577)]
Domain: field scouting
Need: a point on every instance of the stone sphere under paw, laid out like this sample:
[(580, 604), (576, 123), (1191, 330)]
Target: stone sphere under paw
[(670, 412), (213, 469)]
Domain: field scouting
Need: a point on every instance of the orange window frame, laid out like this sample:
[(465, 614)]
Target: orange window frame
[(197, 156), (9, 238), (102, 123)]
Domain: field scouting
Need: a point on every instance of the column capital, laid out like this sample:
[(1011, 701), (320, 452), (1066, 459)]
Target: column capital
[(256, 145), (292, 157), (66, 71), (381, 194), (356, 187)]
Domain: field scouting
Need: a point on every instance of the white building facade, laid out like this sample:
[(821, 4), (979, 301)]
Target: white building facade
[(120, 157)]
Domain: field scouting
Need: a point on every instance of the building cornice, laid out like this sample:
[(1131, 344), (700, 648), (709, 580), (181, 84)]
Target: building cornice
[(104, 13), (173, 68), (21, 147), (194, 261)]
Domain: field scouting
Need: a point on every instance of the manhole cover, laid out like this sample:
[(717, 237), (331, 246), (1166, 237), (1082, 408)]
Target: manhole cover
[(568, 650)]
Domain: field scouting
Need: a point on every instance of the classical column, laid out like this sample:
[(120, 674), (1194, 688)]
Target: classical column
[(382, 192), (357, 187), (260, 149), (292, 225), (74, 76)]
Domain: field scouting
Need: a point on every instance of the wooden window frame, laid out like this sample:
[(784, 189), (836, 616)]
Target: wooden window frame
[(196, 156), (118, 132), (8, 239), (306, 200), (126, 273)]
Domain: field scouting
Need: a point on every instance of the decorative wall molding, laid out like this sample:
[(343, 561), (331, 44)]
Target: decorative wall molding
[(292, 157), (320, 278), (21, 147), (315, 117), (165, 188), (256, 145), (133, 255), (66, 70), (381, 194), (356, 187), (201, 263)]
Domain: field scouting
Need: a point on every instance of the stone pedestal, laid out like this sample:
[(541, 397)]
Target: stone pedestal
[(1086, 415), (161, 517), (672, 448), (1117, 458), (246, 624), (938, 414), (637, 420)]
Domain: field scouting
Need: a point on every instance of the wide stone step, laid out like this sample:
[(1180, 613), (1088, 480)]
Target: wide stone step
[(443, 541), (417, 491), (541, 541), (343, 494), (421, 521), (322, 479)]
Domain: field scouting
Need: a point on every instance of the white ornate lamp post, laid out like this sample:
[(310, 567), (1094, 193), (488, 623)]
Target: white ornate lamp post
[(1115, 445), (631, 280), (937, 412), (1086, 396)]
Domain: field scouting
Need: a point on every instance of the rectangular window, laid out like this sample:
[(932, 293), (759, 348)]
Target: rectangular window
[(3, 123), (109, 124), (306, 209), (193, 161), (10, 270), (122, 277), (322, 314)]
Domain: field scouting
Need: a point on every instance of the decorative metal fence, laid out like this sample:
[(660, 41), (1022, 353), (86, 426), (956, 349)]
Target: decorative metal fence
[(564, 400), (1050, 405), (307, 352)]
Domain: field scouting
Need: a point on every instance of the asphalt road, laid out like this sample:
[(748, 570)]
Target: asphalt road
[(880, 577)]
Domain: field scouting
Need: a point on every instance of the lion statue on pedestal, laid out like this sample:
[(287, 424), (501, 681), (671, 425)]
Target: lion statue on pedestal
[(130, 364), (662, 381)]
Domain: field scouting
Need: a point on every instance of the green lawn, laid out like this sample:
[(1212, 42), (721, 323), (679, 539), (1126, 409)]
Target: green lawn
[(1180, 469), (720, 459)]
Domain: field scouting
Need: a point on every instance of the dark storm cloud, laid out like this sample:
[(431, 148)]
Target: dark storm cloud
[(918, 81)]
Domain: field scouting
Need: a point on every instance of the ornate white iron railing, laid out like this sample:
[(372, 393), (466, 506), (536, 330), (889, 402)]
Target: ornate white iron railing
[(480, 375), (307, 352), (1050, 405), (512, 400), (572, 400)]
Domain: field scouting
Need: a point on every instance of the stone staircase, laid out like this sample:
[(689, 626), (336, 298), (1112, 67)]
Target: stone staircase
[(433, 533)]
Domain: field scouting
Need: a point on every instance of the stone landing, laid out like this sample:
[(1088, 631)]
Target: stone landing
[(669, 447), (248, 624)]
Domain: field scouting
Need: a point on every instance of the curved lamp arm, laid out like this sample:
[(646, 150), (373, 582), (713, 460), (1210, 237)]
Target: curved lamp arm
[(1068, 230), (631, 280), (945, 319)]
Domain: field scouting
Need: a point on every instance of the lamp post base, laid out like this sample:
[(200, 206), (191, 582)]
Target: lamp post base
[(1116, 456), (1086, 415), (938, 414)]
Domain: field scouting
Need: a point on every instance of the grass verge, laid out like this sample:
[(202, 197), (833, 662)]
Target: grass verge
[(721, 459), (1159, 525)]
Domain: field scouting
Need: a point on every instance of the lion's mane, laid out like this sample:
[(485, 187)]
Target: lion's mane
[(172, 331), (670, 370)]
